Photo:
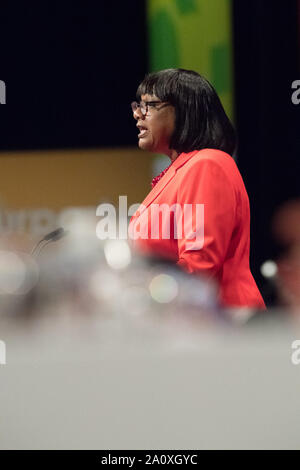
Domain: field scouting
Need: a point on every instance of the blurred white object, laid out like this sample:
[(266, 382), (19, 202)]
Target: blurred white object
[(269, 269), (147, 382)]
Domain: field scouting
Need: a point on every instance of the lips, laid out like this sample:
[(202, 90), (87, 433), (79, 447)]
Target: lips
[(143, 131)]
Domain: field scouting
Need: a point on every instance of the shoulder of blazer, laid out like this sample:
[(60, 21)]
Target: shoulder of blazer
[(218, 158)]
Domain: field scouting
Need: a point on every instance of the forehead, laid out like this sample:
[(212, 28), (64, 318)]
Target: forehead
[(148, 97)]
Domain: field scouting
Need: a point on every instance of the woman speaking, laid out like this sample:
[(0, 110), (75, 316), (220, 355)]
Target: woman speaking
[(197, 214)]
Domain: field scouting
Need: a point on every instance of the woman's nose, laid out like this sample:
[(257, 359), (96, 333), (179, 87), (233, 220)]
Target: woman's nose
[(137, 114)]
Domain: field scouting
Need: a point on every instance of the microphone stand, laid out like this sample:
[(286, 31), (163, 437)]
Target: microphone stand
[(50, 237)]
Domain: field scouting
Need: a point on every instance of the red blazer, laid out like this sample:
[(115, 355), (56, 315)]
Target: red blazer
[(204, 224)]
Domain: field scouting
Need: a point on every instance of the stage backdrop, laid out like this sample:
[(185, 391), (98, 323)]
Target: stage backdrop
[(194, 34)]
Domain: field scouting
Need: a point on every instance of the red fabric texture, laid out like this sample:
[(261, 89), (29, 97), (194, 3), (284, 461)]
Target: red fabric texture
[(209, 178)]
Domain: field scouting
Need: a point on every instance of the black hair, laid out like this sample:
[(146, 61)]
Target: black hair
[(201, 121)]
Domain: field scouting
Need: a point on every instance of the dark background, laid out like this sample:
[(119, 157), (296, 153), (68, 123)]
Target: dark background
[(72, 68), (71, 71), (267, 58)]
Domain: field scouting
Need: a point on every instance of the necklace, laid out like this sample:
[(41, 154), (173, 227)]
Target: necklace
[(159, 177)]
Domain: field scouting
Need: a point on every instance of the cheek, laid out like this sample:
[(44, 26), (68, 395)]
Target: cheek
[(162, 131), (167, 132)]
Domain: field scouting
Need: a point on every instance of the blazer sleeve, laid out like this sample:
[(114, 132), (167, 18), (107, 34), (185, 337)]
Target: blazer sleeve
[(207, 231)]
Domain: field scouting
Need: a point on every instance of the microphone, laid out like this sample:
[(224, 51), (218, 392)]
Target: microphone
[(50, 237)]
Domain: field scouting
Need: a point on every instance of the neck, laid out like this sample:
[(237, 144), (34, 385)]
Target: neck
[(173, 155)]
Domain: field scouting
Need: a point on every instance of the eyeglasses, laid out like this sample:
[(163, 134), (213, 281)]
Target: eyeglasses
[(144, 105)]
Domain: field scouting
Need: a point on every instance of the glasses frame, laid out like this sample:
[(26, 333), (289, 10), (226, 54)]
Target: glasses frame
[(143, 105)]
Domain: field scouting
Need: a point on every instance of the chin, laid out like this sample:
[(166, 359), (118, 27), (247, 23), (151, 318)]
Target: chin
[(144, 145)]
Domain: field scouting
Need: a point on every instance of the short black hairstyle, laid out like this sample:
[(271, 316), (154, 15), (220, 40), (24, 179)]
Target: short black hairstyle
[(201, 121)]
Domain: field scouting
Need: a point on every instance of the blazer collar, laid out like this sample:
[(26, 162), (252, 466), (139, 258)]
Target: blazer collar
[(183, 158), (168, 176)]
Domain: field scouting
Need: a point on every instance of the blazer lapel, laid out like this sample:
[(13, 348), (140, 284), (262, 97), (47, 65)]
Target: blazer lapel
[(164, 181)]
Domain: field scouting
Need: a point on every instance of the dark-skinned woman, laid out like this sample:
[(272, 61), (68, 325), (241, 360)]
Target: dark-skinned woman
[(197, 214)]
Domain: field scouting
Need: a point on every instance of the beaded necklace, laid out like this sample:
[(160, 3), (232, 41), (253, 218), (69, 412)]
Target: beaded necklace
[(159, 177)]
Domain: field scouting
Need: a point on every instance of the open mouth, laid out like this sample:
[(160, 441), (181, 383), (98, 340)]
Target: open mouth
[(143, 131)]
